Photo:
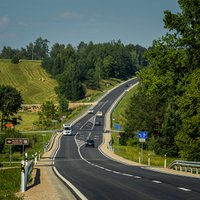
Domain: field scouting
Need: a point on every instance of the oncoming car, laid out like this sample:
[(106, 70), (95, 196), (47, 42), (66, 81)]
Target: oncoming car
[(99, 114), (89, 143), (90, 110)]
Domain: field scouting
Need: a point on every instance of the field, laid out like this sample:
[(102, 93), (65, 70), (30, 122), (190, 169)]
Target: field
[(35, 85)]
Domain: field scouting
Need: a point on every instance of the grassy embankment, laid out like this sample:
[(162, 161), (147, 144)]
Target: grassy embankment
[(129, 152), (36, 87)]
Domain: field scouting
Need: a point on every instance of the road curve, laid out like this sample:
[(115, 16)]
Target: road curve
[(91, 175)]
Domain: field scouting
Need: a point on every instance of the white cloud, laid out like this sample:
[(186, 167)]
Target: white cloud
[(4, 20), (70, 15)]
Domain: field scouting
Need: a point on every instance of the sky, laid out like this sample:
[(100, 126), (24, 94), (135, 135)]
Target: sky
[(72, 21)]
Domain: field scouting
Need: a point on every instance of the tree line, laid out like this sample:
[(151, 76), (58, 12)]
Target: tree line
[(84, 66), (88, 64), (167, 102)]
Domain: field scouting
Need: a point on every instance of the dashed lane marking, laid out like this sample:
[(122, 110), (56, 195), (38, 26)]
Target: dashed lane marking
[(155, 181), (184, 189)]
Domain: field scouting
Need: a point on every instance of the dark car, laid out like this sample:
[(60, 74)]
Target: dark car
[(89, 143), (97, 123)]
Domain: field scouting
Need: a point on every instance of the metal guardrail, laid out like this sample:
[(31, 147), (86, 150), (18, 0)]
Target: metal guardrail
[(26, 168), (187, 166)]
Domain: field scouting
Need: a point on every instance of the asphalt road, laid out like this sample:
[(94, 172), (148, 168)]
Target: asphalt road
[(97, 177)]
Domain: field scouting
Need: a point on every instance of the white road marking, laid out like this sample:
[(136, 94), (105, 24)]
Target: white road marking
[(155, 181), (184, 189), (137, 177)]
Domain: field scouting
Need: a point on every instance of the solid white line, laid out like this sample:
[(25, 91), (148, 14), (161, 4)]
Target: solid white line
[(184, 189), (81, 196), (155, 181)]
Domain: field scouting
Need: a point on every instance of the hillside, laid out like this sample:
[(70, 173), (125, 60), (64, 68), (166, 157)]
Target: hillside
[(35, 85)]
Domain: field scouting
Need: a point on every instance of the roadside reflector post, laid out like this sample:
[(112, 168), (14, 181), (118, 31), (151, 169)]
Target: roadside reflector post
[(139, 158), (165, 161), (149, 160), (23, 176)]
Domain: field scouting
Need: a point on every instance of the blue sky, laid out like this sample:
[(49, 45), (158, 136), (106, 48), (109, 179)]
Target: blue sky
[(73, 21)]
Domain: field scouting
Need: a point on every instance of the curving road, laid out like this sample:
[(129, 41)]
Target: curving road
[(94, 176)]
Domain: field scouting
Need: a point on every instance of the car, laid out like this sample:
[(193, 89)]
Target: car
[(99, 114), (89, 143), (90, 110), (97, 123)]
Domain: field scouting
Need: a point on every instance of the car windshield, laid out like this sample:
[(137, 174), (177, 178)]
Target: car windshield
[(90, 141)]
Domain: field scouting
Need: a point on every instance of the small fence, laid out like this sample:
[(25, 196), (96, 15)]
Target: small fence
[(187, 166)]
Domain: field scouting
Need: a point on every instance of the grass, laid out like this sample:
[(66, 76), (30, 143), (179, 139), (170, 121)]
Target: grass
[(28, 77), (129, 152), (9, 183), (36, 141), (118, 115), (10, 178), (132, 153)]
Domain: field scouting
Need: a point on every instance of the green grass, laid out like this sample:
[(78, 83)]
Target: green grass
[(28, 77), (118, 115), (9, 183), (132, 153), (36, 141), (129, 152)]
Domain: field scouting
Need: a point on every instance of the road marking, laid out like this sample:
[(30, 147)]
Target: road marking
[(137, 177), (127, 174), (155, 181), (184, 189)]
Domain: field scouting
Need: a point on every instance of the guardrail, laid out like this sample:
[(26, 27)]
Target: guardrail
[(187, 166), (26, 168)]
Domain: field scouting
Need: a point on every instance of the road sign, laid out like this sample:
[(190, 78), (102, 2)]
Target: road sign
[(17, 141), (117, 127), (142, 134)]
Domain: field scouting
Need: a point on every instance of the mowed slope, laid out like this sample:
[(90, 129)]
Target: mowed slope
[(30, 79)]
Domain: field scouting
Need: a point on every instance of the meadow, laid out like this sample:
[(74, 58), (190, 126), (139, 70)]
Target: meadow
[(30, 79)]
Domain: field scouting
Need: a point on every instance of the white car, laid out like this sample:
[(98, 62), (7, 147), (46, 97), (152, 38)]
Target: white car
[(99, 114), (90, 110)]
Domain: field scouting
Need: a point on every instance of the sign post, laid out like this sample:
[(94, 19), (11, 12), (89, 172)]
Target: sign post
[(142, 136)]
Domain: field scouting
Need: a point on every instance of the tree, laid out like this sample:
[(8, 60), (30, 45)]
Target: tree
[(10, 102), (70, 85), (40, 48), (47, 114), (170, 86)]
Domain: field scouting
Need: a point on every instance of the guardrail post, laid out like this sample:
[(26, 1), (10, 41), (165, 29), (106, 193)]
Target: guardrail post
[(191, 170), (176, 167), (197, 171), (180, 168), (185, 169)]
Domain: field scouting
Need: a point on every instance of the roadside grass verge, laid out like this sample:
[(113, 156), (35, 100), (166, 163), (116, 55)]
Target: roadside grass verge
[(10, 183), (130, 152), (133, 153), (118, 115), (37, 142)]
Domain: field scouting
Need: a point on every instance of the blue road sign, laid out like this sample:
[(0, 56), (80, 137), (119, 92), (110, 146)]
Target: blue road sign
[(142, 134), (117, 127)]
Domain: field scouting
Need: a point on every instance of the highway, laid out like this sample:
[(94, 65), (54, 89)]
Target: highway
[(97, 177)]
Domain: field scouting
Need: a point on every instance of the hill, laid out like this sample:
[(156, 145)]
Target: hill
[(28, 77)]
